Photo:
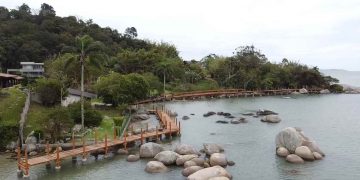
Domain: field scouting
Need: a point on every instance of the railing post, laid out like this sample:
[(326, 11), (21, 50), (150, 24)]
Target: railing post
[(26, 165), (179, 128), (19, 159), (114, 138), (157, 133), (106, 145), (47, 148), (170, 130), (58, 162), (84, 149), (125, 143), (73, 140), (96, 136)]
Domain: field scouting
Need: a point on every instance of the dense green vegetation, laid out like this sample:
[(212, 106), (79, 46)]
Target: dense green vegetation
[(11, 104), (121, 69)]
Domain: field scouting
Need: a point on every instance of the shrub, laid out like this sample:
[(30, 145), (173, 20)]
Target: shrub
[(92, 117), (336, 88), (118, 120), (48, 90)]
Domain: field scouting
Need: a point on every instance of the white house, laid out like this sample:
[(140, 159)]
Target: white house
[(29, 69)]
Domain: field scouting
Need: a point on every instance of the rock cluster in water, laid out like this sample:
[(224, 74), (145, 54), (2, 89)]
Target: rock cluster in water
[(210, 164), (292, 144)]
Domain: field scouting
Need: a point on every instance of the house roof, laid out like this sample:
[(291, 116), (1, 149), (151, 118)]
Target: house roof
[(31, 63), (4, 75), (78, 93), (7, 75)]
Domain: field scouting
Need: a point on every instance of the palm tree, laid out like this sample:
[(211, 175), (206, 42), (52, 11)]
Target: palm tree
[(87, 51)]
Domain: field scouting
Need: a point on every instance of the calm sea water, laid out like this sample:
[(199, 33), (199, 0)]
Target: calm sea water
[(331, 120)]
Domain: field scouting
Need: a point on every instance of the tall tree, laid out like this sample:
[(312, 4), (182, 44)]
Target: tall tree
[(87, 51)]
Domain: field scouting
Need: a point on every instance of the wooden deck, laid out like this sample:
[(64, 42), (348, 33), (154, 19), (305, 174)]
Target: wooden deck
[(170, 127), (224, 93)]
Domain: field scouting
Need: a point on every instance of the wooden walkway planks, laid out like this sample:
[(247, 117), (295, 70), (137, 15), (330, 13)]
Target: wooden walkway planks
[(224, 92), (170, 127)]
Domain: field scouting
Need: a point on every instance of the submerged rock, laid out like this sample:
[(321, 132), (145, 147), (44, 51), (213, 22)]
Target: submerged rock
[(190, 170), (248, 114), (185, 118), (155, 167), (222, 122), (210, 113), (293, 158), (213, 148), (282, 152), (218, 159), (304, 152), (132, 158), (184, 149), (271, 118), (211, 172), (167, 157), (264, 112)]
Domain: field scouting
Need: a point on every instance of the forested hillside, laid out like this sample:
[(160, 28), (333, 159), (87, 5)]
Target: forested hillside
[(59, 42)]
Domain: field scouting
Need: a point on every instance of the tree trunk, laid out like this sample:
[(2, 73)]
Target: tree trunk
[(82, 93), (164, 87)]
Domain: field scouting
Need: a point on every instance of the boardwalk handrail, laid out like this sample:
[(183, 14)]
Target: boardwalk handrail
[(226, 92), (171, 127)]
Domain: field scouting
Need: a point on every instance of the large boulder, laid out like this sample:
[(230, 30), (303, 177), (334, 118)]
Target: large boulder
[(303, 91), (282, 152), (207, 173), (183, 158), (122, 152), (184, 149), (199, 161), (213, 148), (189, 164), (31, 140), (313, 146), (11, 146), (30, 147), (218, 159), (317, 155), (167, 157), (304, 152), (271, 118), (150, 150), (155, 167), (219, 178), (190, 170), (173, 114), (140, 117), (293, 158), (132, 158), (289, 138), (325, 91)]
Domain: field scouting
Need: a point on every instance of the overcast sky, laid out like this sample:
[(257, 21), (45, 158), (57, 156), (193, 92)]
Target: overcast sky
[(323, 33)]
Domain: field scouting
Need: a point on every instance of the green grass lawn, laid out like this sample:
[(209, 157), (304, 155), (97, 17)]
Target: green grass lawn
[(12, 101), (37, 117)]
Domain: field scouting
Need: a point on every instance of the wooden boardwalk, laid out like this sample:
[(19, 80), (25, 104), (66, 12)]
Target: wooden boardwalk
[(170, 127), (224, 93)]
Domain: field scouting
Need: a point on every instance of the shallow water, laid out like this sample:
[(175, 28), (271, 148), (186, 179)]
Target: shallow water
[(331, 120)]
